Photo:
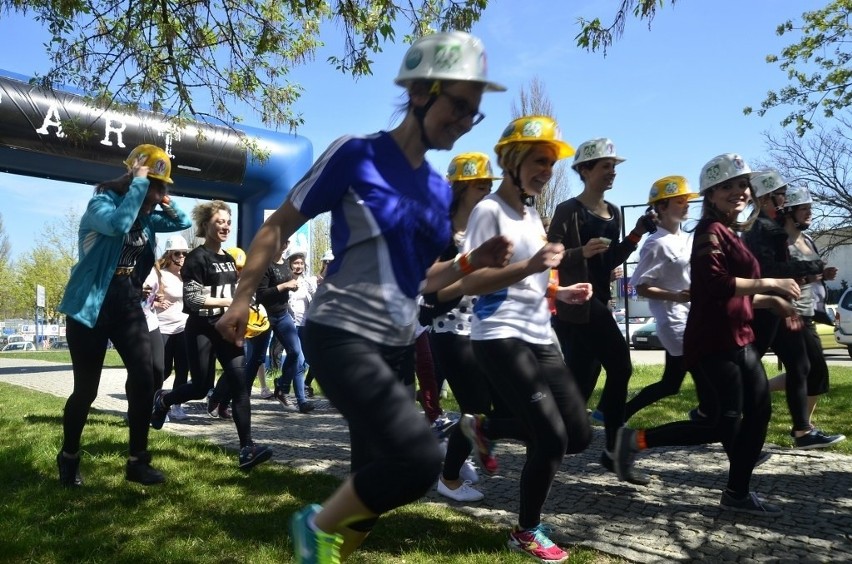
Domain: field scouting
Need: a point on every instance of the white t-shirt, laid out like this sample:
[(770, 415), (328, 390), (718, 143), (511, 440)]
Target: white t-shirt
[(148, 303), (301, 298), (172, 319), (664, 263), (521, 310)]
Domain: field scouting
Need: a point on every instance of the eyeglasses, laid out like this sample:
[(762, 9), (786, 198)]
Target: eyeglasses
[(179, 253), (461, 108)]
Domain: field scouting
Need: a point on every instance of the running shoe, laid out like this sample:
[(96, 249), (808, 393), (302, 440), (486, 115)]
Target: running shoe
[(306, 407), (537, 544), (462, 493), (281, 397), (817, 439), (177, 413), (752, 504), (223, 411), (624, 457), (266, 393), (312, 546), (473, 427), (251, 455), (468, 472), (159, 411)]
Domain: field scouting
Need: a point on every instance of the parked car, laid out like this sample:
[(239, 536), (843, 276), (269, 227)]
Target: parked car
[(19, 347), (826, 332), (645, 336), (843, 323)]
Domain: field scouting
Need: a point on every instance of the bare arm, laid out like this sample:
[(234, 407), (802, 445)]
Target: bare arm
[(657, 293), (265, 247)]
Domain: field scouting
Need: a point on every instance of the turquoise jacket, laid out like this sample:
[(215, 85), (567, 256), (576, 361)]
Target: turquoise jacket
[(107, 219)]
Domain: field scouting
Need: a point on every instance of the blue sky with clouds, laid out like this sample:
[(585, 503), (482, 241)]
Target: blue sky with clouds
[(670, 97)]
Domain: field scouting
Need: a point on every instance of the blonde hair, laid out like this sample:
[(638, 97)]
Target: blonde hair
[(512, 155), (203, 213)]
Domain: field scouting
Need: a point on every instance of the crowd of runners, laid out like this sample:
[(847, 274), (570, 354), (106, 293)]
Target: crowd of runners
[(515, 309)]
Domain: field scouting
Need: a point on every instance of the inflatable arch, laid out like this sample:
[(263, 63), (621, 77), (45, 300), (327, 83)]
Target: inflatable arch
[(207, 161)]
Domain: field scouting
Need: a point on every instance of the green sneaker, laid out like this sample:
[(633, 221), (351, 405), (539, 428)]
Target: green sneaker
[(312, 546)]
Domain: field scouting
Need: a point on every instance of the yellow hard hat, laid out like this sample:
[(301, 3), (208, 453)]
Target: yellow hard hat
[(470, 166), (157, 160), (535, 129), (258, 321), (239, 256), (670, 187)]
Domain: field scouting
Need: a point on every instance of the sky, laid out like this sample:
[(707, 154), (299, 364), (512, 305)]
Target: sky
[(670, 97)]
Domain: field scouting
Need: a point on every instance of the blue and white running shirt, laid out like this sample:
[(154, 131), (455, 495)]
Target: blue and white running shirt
[(389, 223)]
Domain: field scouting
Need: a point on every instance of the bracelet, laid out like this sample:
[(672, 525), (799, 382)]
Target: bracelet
[(462, 264), (634, 237)]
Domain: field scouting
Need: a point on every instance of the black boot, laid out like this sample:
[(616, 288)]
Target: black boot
[(69, 471), (140, 470)]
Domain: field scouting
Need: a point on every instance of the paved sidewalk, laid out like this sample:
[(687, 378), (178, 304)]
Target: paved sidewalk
[(675, 518)]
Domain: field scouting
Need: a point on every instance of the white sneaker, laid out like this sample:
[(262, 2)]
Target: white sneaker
[(176, 413), (468, 472), (463, 493)]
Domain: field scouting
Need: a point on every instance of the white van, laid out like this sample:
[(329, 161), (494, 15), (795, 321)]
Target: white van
[(19, 339), (843, 323)]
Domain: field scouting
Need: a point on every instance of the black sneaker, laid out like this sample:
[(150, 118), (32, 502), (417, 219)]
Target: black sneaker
[(140, 471), (160, 411), (817, 439), (69, 471), (624, 456), (252, 455), (695, 415), (606, 461), (750, 504), (281, 396), (306, 407), (223, 411)]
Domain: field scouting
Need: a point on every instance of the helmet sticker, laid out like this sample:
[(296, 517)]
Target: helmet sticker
[(414, 58), (532, 128), (589, 151), (671, 188), (610, 149), (447, 56), (488, 168), (739, 163), (159, 167), (509, 130), (768, 183), (469, 168), (453, 168), (654, 192), (712, 173)]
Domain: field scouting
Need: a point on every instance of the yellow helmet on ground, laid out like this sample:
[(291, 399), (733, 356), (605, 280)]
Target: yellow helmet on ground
[(157, 160), (670, 187), (258, 321), (535, 129), (239, 256), (470, 166)]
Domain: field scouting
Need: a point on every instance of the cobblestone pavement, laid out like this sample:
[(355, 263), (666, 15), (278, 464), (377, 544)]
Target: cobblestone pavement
[(676, 518)]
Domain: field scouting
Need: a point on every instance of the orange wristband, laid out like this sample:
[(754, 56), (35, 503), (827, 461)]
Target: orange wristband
[(462, 264), (552, 288)]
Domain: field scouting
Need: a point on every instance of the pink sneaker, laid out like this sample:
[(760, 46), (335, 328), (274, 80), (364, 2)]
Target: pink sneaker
[(473, 428), (535, 543)]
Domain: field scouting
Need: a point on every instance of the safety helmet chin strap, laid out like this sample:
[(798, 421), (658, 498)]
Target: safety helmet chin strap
[(420, 113)]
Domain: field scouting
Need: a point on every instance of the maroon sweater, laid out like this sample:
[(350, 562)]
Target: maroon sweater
[(718, 320)]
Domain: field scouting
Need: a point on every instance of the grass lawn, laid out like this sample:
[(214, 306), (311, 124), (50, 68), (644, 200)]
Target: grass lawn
[(208, 511)]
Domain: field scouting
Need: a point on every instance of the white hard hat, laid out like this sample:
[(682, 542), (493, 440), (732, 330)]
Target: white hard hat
[(719, 169), (327, 256), (594, 149), (452, 55), (291, 253), (176, 243), (798, 196), (766, 182)]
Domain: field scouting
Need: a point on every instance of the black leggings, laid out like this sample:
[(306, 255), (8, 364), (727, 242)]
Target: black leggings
[(789, 347), (818, 376), (738, 409), (474, 394), (395, 457), (204, 347), (590, 345), (548, 411), (174, 357), (122, 321), (673, 375)]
